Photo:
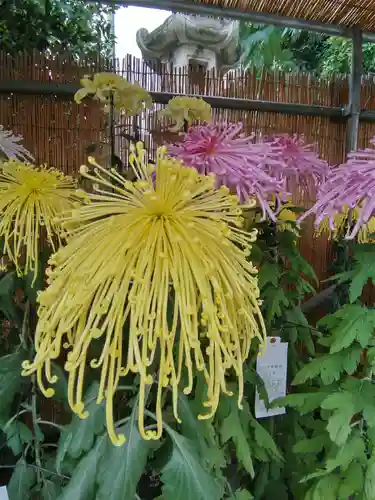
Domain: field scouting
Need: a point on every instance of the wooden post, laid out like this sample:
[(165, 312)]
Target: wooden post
[(355, 91)]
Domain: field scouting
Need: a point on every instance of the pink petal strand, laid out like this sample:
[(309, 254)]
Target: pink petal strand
[(350, 185), (236, 160)]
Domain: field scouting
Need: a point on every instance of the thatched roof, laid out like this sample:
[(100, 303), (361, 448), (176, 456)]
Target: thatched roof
[(328, 14), (340, 12)]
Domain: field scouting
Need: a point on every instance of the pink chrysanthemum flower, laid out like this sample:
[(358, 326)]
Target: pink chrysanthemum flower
[(11, 148), (290, 158), (236, 161), (349, 186)]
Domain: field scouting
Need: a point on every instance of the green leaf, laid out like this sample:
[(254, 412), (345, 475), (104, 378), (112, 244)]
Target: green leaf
[(184, 476), (232, 429), (11, 380), (17, 434), (252, 377), (369, 489), (82, 484), (364, 270), (296, 317), (121, 467), (298, 263), (78, 437), (190, 425), (349, 324), (327, 488), (201, 432), (243, 495), (61, 385), (304, 403), (274, 302), (351, 482), (8, 285), (50, 490), (32, 287), (330, 366), (22, 481), (344, 407), (353, 449), (269, 273), (265, 440), (313, 445)]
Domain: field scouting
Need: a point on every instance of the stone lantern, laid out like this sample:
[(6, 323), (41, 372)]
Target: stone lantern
[(188, 40)]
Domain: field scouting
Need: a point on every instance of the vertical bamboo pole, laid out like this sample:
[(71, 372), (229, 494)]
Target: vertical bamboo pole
[(355, 91)]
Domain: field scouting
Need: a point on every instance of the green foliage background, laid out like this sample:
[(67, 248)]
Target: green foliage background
[(272, 48), (72, 26)]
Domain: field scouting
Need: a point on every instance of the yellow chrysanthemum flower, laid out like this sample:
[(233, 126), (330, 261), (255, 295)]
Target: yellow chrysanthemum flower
[(285, 219), (365, 234), (166, 256), (127, 97), (186, 110), (30, 200)]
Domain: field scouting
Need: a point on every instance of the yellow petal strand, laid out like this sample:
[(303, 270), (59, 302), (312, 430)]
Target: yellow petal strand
[(31, 199), (110, 87), (182, 109), (158, 272)]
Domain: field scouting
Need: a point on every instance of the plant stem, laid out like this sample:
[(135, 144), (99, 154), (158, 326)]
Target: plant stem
[(52, 424), (111, 118), (38, 461)]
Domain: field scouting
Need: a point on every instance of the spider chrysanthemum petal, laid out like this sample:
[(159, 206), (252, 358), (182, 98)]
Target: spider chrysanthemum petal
[(350, 186), (31, 199), (290, 159), (10, 146), (166, 257), (236, 161)]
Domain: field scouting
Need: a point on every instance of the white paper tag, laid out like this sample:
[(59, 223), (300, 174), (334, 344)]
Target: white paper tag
[(272, 367), (3, 493)]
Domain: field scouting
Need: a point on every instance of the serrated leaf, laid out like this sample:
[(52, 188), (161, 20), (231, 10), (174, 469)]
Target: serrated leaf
[(366, 401), (252, 377), (298, 263), (330, 366), (22, 481), (82, 484), (201, 432), (268, 273), (327, 488), (296, 317), (344, 407), (121, 468), (17, 434), (304, 403), (353, 449), (265, 440), (351, 323), (364, 270), (11, 379), (232, 429), (351, 482), (61, 385), (78, 437), (8, 285), (190, 425), (50, 490), (184, 476), (369, 486), (313, 445), (243, 495), (274, 302)]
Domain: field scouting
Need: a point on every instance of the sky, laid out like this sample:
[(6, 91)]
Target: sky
[(128, 20)]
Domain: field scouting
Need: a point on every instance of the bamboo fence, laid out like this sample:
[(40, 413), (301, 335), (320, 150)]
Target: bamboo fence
[(58, 131)]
